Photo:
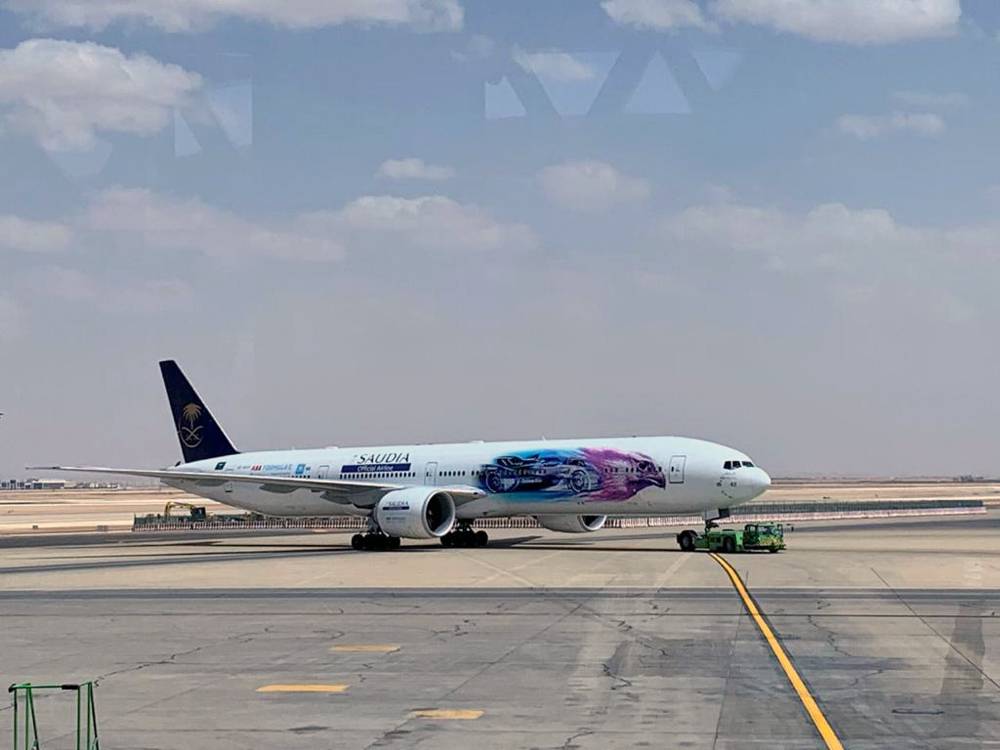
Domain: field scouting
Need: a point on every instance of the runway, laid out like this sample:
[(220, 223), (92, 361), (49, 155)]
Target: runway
[(542, 641)]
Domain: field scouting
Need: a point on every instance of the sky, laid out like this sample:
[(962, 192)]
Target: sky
[(768, 223)]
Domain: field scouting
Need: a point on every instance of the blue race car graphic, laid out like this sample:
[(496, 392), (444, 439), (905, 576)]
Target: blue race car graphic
[(593, 474), (551, 471)]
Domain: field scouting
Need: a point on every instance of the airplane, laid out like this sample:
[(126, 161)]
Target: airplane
[(436, 491)]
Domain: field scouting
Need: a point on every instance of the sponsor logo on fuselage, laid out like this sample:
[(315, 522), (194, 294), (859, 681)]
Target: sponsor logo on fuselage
[(271, 468)]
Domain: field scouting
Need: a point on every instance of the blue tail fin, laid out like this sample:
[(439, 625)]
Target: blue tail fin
[(200, 435)]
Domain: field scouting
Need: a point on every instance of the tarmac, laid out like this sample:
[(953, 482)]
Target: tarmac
[(607, 640)]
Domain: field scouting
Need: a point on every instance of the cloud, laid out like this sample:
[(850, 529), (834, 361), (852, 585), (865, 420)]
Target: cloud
[(847, 21), (931, 100), (555, 66), (195, 15), (136, 216), (655, 14), (432, 222), (414, 169), (865, 260), (590, 185), (29, 236), (866, 127), (140, 218), (62, 93), (829, 237), (811, 240)]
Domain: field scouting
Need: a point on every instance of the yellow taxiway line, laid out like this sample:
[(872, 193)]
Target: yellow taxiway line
[(446, 713), (364, 648), (302, 689), (808, 702)]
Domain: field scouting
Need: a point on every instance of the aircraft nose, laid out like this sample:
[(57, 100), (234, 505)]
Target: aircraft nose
[(761, 481)]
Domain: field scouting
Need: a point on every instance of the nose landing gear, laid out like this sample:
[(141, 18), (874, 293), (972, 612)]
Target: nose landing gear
[(464, 536)]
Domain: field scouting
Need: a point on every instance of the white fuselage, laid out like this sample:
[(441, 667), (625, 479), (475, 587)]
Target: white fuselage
[(615, 476)]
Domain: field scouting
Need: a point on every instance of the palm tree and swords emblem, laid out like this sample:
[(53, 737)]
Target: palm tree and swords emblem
[(188, 429)]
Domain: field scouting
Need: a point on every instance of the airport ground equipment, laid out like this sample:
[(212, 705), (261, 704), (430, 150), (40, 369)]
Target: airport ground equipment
[(197, 512), (752, 537), (23, 704)]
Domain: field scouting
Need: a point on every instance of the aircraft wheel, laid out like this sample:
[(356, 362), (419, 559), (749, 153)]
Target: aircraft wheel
[(482, 538), (728, 544), (358, 541), (446, 540), (686, 541)]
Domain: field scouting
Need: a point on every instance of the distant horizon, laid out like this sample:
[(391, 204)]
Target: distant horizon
[(422, 220)]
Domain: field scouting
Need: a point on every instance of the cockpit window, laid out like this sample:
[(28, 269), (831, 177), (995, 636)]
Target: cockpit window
[(748, 464)]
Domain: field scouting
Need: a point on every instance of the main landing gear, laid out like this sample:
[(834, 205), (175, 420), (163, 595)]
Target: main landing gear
[(374, 539), (464, 536)]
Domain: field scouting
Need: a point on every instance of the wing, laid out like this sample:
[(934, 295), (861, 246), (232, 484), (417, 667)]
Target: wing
[(362, 494)]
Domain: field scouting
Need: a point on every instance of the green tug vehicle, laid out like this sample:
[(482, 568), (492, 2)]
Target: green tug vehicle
[(751, 538)]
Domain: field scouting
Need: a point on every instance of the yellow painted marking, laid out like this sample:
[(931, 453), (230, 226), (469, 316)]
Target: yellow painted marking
[(808, 702), (302, 689), (364, 648), (460, 714)]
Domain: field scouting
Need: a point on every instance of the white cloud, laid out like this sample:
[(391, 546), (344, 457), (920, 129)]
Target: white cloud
[(193, 15), (590, 185), (414, 169), (62, 93), (847, 21), (655, 14), (11, 320), (866, 127), (828, 237), (931, 100), (433, 222), (478, 47), (555, 66), (865, 258), (29, 236), (141, 217), (814, 239)]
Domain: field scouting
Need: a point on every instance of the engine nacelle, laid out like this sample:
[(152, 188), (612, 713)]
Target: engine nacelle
[(572, 524), (416, 513)]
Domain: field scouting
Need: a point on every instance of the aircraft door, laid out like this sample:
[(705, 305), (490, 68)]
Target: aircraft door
[(323, 472), (430, 473), (676, 472)]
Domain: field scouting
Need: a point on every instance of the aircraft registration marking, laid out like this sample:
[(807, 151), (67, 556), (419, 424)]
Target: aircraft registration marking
[(808, 702)]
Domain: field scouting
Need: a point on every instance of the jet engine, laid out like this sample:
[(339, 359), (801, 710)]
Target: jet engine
[(416, 513), (572, 524)]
